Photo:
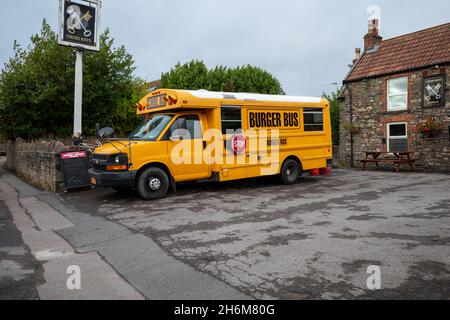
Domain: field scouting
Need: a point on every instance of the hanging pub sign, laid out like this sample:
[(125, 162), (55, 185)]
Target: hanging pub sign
[(433, 92), (79, 23)]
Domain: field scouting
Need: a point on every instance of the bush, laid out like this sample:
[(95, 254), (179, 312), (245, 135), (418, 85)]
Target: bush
[(334, 114)]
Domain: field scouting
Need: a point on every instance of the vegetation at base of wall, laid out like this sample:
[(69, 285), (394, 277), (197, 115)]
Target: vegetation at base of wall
[(194, 75), (334, 114), (37, 88)]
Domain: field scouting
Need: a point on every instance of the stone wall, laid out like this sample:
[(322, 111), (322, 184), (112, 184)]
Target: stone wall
[(36, 162), (371, 116)]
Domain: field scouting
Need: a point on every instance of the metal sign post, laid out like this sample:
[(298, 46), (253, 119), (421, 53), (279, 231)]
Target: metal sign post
[(78, 24), (78, 101)]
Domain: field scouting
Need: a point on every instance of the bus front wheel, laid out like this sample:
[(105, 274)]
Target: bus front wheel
[(290, 171), (153, 183)]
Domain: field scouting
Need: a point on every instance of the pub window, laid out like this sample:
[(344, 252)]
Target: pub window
[(397, 140), (313, 119), (231, 119), (397, 97)]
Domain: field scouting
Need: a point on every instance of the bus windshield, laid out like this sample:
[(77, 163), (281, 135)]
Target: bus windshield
[(150, 129)]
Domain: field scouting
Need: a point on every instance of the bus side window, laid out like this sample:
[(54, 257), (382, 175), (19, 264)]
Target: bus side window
[(231, 118), (313, 119), (188, 126)]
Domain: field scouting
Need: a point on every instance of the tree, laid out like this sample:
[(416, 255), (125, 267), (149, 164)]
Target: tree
[(195, 75), (37, 88), (334, 114), (190, 76)]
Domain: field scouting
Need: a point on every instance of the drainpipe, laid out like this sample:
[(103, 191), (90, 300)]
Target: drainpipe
[(350, 100)]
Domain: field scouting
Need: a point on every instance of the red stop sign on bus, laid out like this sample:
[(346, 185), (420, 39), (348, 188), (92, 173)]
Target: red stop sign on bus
[(239, 143)]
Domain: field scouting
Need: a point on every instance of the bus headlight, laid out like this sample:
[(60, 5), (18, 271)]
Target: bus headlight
[(118, 159)]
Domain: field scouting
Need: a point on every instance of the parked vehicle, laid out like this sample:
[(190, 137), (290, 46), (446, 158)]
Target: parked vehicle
[(202, 135)]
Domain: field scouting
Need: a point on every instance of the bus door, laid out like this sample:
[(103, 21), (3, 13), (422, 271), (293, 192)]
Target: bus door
[(185, 148)]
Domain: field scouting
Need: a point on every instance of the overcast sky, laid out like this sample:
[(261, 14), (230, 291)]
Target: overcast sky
[(307, 45)]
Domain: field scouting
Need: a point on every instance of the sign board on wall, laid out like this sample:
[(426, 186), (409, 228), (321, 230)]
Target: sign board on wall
[(433, 91), (79, 22)]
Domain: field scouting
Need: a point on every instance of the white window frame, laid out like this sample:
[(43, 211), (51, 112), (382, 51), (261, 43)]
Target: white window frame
[(388, 131), (389, 95)]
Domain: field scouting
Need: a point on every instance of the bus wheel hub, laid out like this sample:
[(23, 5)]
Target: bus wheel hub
[(154, 184)]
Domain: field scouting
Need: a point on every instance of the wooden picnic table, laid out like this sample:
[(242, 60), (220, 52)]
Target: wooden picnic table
[(396, 158)]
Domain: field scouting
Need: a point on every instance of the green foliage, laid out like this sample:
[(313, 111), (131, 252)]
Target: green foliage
[(334, 113), (195, 75), (37, 88)]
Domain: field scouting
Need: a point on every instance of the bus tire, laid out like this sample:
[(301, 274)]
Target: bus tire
[(290, 172), (153, 183)]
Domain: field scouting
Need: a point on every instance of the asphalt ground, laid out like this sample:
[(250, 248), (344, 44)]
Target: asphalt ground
[(313, 240)]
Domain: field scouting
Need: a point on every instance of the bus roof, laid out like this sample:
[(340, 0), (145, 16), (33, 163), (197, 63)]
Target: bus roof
[(167, 99), (205, 94)]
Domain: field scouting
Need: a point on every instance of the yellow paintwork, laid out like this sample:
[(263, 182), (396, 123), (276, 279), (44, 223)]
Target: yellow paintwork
[(313, 149)]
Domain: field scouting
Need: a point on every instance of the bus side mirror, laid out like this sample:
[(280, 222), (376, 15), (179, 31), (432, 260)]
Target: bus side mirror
[(105, 133)]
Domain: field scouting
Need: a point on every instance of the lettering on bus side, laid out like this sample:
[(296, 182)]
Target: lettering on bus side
[(274, 119)]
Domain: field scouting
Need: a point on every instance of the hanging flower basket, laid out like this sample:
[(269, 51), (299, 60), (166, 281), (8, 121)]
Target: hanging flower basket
[(428, 128)]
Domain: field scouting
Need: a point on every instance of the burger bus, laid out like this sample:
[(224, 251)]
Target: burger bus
[(216, 136)]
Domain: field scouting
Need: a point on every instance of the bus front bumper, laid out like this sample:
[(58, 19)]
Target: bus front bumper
[(123, 179)]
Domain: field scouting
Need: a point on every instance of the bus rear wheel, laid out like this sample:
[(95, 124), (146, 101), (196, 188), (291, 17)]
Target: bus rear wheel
[(290, 172), (153, 183)]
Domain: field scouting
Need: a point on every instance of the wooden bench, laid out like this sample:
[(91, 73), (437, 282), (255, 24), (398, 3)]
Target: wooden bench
[(395, 158)]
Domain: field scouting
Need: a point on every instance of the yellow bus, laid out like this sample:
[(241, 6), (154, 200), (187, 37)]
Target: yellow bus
[(219, 136)]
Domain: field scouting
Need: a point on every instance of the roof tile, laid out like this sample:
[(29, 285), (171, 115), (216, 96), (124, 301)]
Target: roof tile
[(410, 51)]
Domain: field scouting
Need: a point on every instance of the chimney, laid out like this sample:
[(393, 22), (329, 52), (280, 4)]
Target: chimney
[(357, 55), (371, 39)]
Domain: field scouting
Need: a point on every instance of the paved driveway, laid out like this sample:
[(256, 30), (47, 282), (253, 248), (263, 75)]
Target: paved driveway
[(315, 239)]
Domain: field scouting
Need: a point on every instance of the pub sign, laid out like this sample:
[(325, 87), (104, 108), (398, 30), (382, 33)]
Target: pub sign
[(79, 23), (433, 91)]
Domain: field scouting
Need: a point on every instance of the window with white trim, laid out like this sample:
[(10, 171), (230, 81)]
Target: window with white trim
[(397, 96), (397, 137)]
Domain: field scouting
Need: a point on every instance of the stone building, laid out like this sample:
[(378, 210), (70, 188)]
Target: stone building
[(392, 88)]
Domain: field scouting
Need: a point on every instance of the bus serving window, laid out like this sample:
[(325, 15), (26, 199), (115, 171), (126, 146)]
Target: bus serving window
[(231, 119), (313, 119)]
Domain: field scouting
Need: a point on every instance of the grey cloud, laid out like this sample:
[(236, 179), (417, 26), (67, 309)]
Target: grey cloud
[(305, 44)]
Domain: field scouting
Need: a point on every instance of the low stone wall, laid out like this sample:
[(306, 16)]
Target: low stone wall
[(432, 154), (37, 162)]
